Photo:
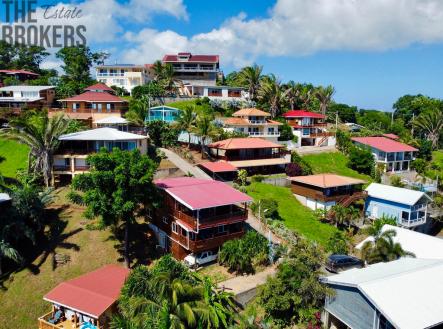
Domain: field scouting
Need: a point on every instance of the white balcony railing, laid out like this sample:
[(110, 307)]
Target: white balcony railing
[(110, 74), (259, 133), (257, 122)]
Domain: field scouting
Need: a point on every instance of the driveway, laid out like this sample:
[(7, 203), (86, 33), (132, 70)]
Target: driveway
[(183, 165), (245, 283)]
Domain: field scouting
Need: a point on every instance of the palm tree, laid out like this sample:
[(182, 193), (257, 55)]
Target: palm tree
[(138, 110), (169, 80), (324, 96), (431, 122), (382, 247), (204, 129), (158, 69), (292, 93), (41, 134), (271, 92), (353, 215), (187, 120), (250, 76), (7, 251), (340, 214)]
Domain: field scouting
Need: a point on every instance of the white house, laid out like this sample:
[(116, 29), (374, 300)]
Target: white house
[(402, 294)]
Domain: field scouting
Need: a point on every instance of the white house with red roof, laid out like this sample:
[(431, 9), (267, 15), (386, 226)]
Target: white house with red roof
[(87, 301), (394, 155), (127, 76), (195, 71), (309, 128)]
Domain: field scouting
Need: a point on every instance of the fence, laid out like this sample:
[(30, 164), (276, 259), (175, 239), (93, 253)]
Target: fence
[(277, 181)]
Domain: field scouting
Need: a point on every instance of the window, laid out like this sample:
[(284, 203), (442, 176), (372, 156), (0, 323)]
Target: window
[(165, 219), (405, 215), (221, 229), (192, 236), (75, 107), (99, 107), (174, 228)]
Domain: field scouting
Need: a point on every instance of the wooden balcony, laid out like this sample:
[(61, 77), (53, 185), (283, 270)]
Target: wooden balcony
[(213, 243), (238, 214), (43, 323)]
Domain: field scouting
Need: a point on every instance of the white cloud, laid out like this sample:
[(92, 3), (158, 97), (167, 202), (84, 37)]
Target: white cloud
[(299, 27)]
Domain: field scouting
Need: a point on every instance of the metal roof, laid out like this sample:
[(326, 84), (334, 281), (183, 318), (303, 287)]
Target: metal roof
[(326, 180), (244, 143), (101, 134), (112, 120), (384, 144), (395, 194), (408, 291), (26, 88), (422, 245)]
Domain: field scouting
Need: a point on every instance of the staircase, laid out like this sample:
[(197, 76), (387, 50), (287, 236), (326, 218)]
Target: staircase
[(322, 140), (347, 201)]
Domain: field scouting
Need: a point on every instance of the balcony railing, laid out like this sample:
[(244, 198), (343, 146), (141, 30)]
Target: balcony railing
[(62, 168), (110, 74), (253, 157), (325, 134), (214, 242), (413, 222), (67, 324), (206, 221), (257, 122), (82, 168)]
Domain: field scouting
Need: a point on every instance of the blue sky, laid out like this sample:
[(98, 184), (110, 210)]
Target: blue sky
[(371, 52)]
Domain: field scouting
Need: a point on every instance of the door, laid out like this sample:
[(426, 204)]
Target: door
[(374, 211)]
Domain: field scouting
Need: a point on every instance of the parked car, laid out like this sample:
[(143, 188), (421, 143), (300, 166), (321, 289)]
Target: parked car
[(196, 260), (338, 263)]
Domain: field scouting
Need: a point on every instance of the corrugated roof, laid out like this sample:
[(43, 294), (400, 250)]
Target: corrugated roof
[(92, 293), (326, 180), (244, 143), (303, 114), (219, 166), (201, 193), (92, 96), (422, 245), (251, 111), (26, 88), (408, 291), (192, 58), (101, 134), (384, 144), (391, 136), (395, 194)]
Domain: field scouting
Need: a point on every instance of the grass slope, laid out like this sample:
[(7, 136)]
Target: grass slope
[(183, 104), (294, 214), (22, 300), (16, 157), (335, 163)]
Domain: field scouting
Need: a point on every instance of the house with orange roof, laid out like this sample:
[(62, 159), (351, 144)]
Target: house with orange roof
[(96, 102), (87, 301), (310, 128), (254, 123), (323, 191), (256, 155)]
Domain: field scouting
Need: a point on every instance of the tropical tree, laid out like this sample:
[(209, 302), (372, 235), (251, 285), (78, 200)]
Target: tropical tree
[(339, 214), (41, 134), (353, 214), (381, 246), (158, 70), (8, 251), (138, 110), (169, 80), (292, 93), (250, 77), (271, 93), (118, 188), (187, 121), (205, 129), (338, 243), (431, 122), (324, 95)]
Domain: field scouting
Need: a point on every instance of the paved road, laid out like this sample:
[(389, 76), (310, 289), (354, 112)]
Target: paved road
[(184, 166)]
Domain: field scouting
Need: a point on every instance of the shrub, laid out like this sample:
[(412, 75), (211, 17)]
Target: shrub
[(419, 165), (242, 176), (238, 255), (268, 208), (306, 169), (396, 181), (294, 169), (257, 178), (338, 244), (361, 160), (344, 143)]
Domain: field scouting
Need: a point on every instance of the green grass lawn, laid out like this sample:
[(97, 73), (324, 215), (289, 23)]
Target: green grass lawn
[(183, 104), (334, 163), (16, 157), (295, 216), (22, 300)]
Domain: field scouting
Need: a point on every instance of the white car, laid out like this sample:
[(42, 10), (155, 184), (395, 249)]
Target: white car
[(196, 260)]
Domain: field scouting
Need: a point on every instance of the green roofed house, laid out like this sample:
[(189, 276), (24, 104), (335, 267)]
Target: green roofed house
[(163, 113)]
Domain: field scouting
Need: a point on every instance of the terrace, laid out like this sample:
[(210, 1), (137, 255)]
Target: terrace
[(73, 323)]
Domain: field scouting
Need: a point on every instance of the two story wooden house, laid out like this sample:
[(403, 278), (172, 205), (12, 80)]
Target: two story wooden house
[(198, 215), (256, 155)]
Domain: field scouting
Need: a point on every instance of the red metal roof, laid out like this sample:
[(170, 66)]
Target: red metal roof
[(244, 143), (92, 96), (192, 58), (303, 114), (18, 72), (219, 166), (99, 86), (92, 293), (201, 193), (391, 136), (384, 144)]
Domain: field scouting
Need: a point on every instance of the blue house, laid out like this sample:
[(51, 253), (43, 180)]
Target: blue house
[(409, 207), (163, 113)]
